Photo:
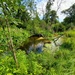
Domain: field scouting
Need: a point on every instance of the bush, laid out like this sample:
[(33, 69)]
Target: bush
[(58, 27), (18, 36), (68, 44), (69, 40), (61, 62), (70, 33), (45, 63)]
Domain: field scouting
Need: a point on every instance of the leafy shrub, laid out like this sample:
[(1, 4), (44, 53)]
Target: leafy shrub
[(68, 44), (69, 40), (46, 63), (18, 36), (61, 62), (70, 33), (58, 27)]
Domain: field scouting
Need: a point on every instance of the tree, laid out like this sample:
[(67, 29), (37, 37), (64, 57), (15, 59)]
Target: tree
[(13, 13), (70, 12), (53, 17), (23, 16), (31, 7), (7, 15), (34, 25), (48, 11), (59, 3), (50, 16), (21, 11)]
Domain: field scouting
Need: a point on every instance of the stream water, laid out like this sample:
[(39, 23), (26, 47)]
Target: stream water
[(55, 43)]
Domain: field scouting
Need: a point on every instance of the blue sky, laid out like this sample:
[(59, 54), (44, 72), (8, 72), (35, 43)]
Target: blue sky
[(65, 5)]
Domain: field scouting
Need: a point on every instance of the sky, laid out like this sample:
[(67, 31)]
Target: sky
[(64, 5)]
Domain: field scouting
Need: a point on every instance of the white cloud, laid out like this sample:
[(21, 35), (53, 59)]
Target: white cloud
[(41, 7), (65, 5)]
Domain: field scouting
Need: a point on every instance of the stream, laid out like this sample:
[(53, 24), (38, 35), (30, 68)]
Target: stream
[(55, 43)]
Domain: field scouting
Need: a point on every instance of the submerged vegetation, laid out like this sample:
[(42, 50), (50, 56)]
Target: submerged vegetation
[(18, 21)]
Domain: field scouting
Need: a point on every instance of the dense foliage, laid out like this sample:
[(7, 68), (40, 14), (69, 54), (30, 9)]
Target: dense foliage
[(69, 20), (19, 20), (61, 62)]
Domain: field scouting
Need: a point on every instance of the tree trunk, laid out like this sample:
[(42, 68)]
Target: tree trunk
[(10, 43)]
